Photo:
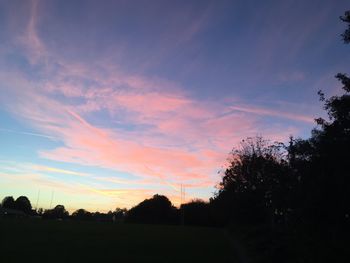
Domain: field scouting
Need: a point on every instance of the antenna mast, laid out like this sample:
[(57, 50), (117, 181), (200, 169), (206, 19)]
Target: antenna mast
[(52, 194), (182, 202), (37, 200)]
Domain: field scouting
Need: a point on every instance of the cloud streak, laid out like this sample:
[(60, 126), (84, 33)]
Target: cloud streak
[(57, 170), (29, 133), (173, 138), (273, 113)]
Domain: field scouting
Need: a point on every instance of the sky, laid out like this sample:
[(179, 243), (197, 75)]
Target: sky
[(106, 103)]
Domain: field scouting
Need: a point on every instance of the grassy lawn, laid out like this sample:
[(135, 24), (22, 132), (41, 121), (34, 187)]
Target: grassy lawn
[(58, 241)]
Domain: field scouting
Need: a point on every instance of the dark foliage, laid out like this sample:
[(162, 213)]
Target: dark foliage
[(346, 34), (308, 189), (119, 215), (23, 204), (8, 202), (82, 214), (156, 210), (59, 212), (256, 187), (196, 212), (102, 217)]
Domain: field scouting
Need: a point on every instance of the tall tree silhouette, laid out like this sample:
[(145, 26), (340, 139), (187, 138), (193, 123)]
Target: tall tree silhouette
[(254, 187), (81, 214), (196, 212), (156, 210), (58, 212), (346, 34), (322, 166), (8, 202), (323, 159), (22, 203)]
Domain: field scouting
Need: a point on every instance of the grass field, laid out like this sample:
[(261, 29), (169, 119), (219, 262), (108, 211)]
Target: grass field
[(59, 241)]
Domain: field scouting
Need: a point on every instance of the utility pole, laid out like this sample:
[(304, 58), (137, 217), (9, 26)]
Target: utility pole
[(37, 201), (52, 193), (181, 206)]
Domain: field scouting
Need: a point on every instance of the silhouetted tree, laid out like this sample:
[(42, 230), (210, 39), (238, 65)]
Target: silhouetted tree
[(255, 187), (119, 214), (59, 212), (322, 161), (156, 210), (196, 212), (103, 217), (346, 34), (8, 202), (22, 203), (82, 214)]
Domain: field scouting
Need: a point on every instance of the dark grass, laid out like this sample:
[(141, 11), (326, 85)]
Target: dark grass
[(67, 241), (301, 244)]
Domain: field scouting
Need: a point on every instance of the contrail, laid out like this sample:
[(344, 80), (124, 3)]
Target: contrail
[(161, 177), (29, 133), (274, 113)]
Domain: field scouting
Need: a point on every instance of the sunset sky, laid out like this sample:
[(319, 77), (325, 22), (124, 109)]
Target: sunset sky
[(105, 103)]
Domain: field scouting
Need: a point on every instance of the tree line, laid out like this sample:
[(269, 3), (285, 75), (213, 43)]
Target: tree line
[(155, 210)]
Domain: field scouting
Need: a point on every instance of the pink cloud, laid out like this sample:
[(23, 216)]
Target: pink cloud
[(91, 145), (187, 140), (150, 103), (30, 39), (181, 139), (275, 113)]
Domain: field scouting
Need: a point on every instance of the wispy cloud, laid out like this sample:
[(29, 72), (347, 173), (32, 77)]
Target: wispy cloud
[(42, 168), (104, 115), (30, 39), (29, 133), (166, 114), (273, 113)]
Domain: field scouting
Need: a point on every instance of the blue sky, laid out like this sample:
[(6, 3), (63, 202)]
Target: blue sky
[(106, 103)]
